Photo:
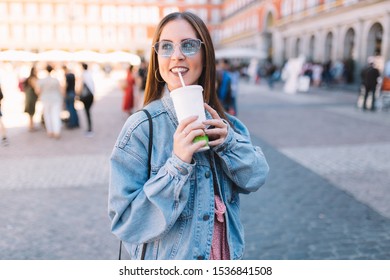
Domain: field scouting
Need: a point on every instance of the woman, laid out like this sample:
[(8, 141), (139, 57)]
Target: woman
[(87, 92), (50, 93), (189, 207), (29, 86), (70, 94), (128, 97)]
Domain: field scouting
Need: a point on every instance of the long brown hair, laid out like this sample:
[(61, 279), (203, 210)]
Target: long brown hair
[(155, 84)]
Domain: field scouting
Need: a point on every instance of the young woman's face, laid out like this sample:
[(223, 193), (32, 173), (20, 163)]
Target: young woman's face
[(177, 31)]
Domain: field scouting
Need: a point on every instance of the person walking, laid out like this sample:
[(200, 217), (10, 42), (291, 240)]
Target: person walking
[(370, 76), (31, 97), (3, 131), (224, 85), (87, 96), (128, 97), (189, 207), (50, 94), (70, 94), (141, 84)]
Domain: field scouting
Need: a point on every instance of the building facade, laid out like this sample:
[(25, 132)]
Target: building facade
[(321, 30), (98, 25), (333, 30), (249, 24)]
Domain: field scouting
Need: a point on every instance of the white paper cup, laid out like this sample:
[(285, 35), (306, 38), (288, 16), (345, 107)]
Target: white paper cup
[(188, 101)]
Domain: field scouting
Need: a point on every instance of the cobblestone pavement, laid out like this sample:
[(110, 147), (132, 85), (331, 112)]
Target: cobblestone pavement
[(329, 186), (325, 197)]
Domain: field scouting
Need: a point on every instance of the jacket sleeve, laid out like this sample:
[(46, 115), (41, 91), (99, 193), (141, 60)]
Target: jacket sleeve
[(244, 163), (142, 209)]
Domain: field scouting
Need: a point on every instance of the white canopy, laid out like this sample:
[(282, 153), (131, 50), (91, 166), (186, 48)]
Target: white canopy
[(65, 56), (120, 56), (13, 55), (239, 53), (54, 55)]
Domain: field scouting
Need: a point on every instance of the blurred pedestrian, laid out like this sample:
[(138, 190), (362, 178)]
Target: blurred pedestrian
[(189, 206), (235, 84), (141, 84), (224, 85), (128, 96), (31, 97), (270, 70), (4, 139), (370, 75), (50, 94), (87, 92), (317, 74), (70, 95)]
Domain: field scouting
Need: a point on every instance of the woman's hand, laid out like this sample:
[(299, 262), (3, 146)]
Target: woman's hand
[(183, 145), (217, 130)]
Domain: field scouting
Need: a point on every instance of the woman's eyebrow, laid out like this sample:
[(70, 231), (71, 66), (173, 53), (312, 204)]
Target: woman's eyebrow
[(168, 40)]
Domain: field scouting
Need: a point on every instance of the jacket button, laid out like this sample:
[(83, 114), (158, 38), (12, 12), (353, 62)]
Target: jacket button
[(206, 217), (183, 171), (200, 258), (207, 174)]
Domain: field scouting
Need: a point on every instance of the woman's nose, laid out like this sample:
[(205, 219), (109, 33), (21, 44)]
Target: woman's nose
[(177, 54)]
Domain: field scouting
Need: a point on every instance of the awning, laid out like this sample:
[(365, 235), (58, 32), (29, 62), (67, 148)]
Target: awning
[(239, 53)]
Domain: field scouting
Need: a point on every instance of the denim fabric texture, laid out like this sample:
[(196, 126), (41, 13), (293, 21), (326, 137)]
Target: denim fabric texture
[(173, 210)]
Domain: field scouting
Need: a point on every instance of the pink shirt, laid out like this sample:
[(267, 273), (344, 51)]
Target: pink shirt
[(220, 245)]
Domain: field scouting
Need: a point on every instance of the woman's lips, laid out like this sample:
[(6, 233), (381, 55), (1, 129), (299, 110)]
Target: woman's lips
[(176, 70)]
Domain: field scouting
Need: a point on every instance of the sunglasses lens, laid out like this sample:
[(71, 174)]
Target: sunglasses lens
[(190, 47), (164, 48)]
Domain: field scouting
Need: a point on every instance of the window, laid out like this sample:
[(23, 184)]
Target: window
[(298, 6), (108, 13), (286, 8), (311, 3), (46, 11), (170, 10), (78, 33), (215, 15), (124, 35), (47, 33), (3, 10), (202, 13), (140, 32), (94, 34), (109, 34), (3, 31), (63, 34), (78, 12), (16, 10), (62, 12), (32, 33), (93, 13), (31, 11)]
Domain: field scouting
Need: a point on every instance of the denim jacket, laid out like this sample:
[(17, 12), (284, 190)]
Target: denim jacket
[(173, 210)]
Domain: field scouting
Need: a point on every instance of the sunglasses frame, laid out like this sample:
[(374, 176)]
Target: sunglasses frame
[(174, 46)]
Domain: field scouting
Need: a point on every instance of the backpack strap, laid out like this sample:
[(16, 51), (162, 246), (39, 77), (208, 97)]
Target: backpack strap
[(150, 141), (149, 162), (150, 146)]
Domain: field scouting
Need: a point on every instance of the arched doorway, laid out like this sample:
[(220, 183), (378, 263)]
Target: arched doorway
[(349, 56), (374, 45), (349, 44), (311, 47), (328, 47), (297, 51), (269, 23)]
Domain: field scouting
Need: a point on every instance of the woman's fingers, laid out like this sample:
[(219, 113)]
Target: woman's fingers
[(217, 128), (187, 130)]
